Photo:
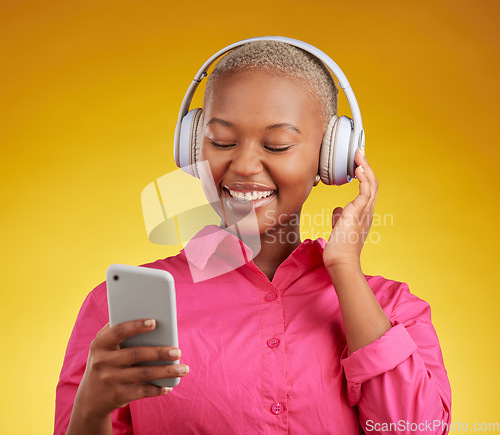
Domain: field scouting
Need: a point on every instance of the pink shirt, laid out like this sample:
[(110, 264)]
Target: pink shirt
[(271, 357)]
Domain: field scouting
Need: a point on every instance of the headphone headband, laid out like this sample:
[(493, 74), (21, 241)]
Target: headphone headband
[(326, 60)]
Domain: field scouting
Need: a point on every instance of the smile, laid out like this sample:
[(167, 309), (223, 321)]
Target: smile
[(247, 197), (250, 196)]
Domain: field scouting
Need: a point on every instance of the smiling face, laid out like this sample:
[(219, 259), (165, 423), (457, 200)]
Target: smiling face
[(262, 135)]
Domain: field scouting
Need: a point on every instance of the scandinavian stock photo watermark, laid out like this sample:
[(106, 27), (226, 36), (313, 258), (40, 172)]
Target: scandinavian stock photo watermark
[(176, 206), (319, 225)]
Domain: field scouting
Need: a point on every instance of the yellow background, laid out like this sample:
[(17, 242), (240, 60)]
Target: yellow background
[(90, 92)]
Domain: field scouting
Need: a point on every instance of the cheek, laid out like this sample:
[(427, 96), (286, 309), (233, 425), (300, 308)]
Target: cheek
[(300, 170), (215, 162)]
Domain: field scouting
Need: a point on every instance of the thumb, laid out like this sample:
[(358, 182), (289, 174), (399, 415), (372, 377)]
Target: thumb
[(336, 215)]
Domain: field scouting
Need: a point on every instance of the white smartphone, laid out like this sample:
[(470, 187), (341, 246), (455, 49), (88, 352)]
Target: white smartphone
[(136, 292)]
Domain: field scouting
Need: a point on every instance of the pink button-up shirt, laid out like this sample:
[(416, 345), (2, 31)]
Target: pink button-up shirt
[(271, 357)]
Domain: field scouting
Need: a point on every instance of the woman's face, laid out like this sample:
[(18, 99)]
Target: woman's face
[(262, 135)]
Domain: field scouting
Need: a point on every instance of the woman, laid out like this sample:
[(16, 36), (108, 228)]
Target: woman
[(297, 339)]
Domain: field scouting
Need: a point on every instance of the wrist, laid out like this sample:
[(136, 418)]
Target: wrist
[(345, 271), (345, 266), (87, 407), (83, 421)]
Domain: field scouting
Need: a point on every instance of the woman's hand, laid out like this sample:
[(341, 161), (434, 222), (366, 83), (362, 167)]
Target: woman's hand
[(350, 226), (112, 378), (363, 318)]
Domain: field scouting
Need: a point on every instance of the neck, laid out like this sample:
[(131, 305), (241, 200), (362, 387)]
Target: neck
[(276, 245)]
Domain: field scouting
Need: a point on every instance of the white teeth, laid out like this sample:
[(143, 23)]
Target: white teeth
[(250, 196)]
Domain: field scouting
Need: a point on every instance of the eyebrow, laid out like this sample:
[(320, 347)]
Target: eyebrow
[(219, 121), (286, 125)]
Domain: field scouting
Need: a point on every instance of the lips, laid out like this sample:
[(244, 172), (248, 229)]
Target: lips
[(248, 193), (250, 196)]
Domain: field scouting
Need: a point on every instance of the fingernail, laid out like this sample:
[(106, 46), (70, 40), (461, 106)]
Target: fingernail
[(182, 370), (166, 390), (150, 322), (361, 168), (175, 353), (362, 151)]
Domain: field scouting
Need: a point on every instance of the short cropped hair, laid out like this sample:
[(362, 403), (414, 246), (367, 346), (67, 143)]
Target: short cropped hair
[(281, 58)]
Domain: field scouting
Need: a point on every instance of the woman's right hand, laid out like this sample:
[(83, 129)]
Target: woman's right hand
[(112, 379)]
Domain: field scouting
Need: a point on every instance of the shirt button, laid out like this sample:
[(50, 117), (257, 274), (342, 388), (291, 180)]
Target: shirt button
[(277, 408), (271, 297), (273, 342)]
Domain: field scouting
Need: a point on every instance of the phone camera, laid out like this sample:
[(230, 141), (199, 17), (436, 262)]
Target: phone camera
[(115, 277)]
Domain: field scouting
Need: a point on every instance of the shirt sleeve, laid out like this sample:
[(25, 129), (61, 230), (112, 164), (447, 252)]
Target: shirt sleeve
[(399, 382), (91, 319)]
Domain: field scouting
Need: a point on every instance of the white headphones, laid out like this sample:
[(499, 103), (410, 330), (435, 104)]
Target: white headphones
[(340, 141)]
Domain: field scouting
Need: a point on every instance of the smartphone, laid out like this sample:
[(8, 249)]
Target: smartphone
[(136, 292)]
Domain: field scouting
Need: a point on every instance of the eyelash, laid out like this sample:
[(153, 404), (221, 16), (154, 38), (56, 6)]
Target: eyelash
[(276, 150), (218, 145)]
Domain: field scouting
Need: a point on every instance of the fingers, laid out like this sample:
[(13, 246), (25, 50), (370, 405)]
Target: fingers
[(368, 184), (366, 171), (152, 372), (111, 337), (362, 200), (114, 376), (137, 354), (130, 392), (336, 215)]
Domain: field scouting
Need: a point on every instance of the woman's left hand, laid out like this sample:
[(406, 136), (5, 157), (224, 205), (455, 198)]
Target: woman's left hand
[(350, 226)]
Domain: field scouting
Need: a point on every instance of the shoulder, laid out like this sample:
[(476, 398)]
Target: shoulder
[(177, 265), (386, 288), (396, 298)]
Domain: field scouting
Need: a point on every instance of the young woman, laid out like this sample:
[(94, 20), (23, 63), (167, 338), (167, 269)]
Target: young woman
[(297, 339)]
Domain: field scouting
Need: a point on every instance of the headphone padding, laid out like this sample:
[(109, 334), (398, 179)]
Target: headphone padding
[(343, 136), (196, 140), (327, 152), (190, 142)]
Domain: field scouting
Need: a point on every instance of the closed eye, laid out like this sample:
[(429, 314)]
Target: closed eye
[(277, 149), (269, 148), (222, 146)]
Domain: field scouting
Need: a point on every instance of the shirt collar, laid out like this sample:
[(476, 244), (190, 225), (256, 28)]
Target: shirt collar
[(203, 245), (309, 252)]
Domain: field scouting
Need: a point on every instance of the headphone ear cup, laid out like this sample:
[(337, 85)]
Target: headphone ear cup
[(197, 140), (334, 154), (327, 152), (191, 140)]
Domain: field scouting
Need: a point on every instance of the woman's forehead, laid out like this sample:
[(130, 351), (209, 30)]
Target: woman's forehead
[(259, 87), (261, 98), (258, 74)]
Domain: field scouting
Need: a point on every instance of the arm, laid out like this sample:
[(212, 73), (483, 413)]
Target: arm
[(363, 318), (99, 379), (394, 369), (91, 318), (404, 367), (112, 379)]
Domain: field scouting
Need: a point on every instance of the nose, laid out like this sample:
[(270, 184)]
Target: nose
[(247, 160)]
